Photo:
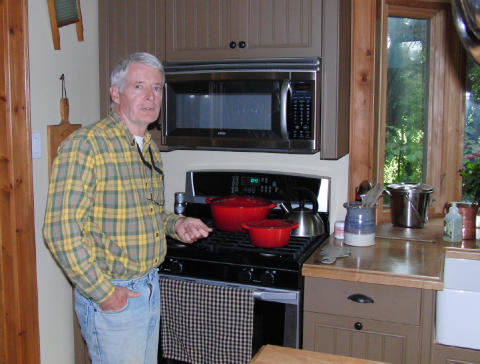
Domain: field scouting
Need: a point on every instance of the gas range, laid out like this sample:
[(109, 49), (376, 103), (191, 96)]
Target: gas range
[(230, 256)]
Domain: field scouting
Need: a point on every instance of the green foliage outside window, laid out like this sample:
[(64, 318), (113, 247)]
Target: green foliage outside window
[(470, 171), (407, 78)]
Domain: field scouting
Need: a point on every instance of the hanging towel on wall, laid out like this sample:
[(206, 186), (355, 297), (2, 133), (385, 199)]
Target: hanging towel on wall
[(204, 323)]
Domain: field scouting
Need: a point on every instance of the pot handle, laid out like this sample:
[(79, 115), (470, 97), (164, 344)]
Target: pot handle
[(417, 214), (303, 191), (245, 226), (294, 225)]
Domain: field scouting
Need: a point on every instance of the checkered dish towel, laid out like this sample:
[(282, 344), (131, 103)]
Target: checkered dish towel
[(206, 324)]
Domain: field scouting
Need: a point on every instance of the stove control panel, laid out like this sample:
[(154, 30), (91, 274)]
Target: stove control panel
[(265, 277), (277, 187)]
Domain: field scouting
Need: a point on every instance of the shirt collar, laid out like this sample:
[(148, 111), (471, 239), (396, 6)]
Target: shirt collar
[(130, 137)]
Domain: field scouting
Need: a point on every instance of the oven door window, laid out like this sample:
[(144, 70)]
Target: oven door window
[(224, 108), (275, 323)]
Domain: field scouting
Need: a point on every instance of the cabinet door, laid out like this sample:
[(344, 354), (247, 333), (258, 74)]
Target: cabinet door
[(444, 354), (235, 29), (125, 27), (284, 28), (361, 338)]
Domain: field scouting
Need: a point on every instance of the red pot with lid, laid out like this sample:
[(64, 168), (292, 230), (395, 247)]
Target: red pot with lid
[(270, 233), (230, 212)]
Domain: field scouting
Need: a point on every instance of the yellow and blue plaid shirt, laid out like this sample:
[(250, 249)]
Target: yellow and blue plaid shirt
[(104, 218)]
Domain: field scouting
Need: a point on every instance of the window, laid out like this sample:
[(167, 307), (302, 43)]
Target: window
[(471, 145), (406, 106), (411, 122)]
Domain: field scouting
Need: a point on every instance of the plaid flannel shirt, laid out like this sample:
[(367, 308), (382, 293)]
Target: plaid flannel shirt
[(104, 218)]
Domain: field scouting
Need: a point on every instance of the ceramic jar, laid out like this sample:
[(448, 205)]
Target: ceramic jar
[(359, 224)]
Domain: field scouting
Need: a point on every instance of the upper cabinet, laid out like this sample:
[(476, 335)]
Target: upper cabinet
[(193, 30), (127, 26), (237, 29)]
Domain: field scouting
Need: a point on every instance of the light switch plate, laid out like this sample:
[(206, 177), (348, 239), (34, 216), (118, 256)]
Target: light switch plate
[(36, 145)]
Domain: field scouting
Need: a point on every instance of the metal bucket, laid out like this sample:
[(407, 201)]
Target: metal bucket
[(409, 203)]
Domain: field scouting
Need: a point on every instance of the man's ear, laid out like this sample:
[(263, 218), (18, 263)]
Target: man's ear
[(115, 94)]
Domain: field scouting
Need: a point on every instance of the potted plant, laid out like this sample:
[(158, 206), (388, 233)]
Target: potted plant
[(470, 173)]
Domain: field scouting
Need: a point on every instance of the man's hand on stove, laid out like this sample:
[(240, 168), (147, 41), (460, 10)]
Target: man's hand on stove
[(190, 229)]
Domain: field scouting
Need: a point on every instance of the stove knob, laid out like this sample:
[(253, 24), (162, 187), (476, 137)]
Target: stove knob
[(176, 266), (246, 275), (268, 278)]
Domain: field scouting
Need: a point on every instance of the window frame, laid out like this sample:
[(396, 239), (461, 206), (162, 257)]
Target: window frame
[(446, 101)]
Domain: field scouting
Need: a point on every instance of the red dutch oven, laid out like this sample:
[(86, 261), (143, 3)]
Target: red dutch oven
[(270, 233), (230, 212)]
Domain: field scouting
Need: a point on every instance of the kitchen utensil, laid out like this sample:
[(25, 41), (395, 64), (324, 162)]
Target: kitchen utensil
[(372, 196), (470, 42), (309, 221), (270, 233), (409, 203), (359, 224), (57, 133), (362, 190), (471, 14), (230, 212)]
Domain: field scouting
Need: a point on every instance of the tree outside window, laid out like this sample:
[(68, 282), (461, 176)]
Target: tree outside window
[(407, 80)]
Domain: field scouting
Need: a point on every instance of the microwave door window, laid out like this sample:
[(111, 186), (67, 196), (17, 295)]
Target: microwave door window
[(224, 109), (243, 112)]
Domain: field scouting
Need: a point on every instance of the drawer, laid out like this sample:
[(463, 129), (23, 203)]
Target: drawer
[(390, 303)]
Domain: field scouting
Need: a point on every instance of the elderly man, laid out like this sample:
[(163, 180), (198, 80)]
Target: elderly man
[(105, 223)]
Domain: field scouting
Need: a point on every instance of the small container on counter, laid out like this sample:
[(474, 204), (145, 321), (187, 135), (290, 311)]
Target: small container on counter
[(339, 229), (468, 211), (477, 225), (452, 225), (359, 224)]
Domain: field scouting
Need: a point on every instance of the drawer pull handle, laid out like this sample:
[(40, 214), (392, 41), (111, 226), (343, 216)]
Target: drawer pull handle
[(360, 298), (358, 326)]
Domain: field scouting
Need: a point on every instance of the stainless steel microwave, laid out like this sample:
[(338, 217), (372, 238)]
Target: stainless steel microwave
[(256, 105)]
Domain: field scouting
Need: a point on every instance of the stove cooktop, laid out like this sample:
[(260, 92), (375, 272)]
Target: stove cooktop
[(230, 256)]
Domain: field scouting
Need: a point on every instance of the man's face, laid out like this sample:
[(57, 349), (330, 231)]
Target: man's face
[(138, 104)]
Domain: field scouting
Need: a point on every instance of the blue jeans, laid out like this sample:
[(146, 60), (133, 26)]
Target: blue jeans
[(126, 336)]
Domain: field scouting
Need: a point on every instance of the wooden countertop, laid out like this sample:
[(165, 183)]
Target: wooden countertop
[(272, 354), (400, 257)]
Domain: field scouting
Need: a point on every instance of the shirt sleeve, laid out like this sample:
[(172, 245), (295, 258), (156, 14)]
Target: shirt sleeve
[(170, 221), (66, 229)]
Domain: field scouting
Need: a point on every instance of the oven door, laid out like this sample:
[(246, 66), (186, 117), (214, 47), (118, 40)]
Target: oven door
[(276, 314)]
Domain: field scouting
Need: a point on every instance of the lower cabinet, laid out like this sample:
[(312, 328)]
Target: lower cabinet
[(444, 354), (368, 321), (360, 338)]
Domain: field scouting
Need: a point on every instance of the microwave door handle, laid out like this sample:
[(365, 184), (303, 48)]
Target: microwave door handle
[(283, 108)]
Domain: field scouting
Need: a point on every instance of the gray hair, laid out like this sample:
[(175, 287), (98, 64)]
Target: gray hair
[(119, 72)]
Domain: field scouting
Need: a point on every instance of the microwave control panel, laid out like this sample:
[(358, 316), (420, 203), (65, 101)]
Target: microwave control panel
[(300, 118)]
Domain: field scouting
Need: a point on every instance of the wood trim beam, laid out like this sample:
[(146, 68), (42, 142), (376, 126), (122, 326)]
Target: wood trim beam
[(19, 335), (362, 94)]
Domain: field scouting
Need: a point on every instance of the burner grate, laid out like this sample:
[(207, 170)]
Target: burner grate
[(236, 242)]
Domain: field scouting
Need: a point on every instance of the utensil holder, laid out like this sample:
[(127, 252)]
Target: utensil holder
[(359, 224)]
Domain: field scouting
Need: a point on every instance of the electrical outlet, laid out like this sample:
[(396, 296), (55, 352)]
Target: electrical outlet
[(36, 145)]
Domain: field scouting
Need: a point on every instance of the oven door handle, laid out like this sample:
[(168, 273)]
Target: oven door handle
[(282, 297)]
